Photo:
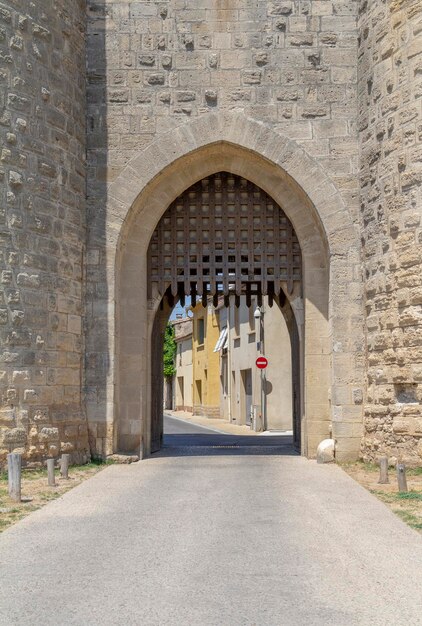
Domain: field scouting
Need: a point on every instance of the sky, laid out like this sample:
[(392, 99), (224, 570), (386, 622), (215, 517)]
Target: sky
[(179, 309)]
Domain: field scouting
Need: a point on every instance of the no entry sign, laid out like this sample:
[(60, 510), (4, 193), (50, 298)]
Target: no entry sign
[(261, 362)]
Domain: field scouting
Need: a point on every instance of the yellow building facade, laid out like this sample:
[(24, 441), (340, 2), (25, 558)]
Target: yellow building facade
[(206, 362)]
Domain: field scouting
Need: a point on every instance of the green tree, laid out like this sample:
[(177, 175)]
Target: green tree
[(169, 355)]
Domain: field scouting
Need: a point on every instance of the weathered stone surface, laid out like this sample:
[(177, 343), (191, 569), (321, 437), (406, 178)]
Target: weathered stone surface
[(325, 451), (391, 209), (343, 85), (123, 458), (290, 65), (15, 437), (49, 434), (41, 244)]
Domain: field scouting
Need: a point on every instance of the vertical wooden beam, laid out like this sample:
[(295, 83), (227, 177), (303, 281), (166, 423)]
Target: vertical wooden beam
[(50, 473), (64, 466), (383, 480), (14, 469), (401, 477)]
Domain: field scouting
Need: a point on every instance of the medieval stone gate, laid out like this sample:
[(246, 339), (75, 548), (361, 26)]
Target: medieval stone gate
[(187, 160), (111, 110), (226, 237)]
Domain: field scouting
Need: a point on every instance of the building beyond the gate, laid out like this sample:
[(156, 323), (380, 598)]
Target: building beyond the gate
[(110, 110), (217, 348), (205, 362), (182, 392), (249, 337)]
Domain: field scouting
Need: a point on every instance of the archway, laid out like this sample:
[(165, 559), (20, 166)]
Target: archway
[(224, 239), (287, 318), (332, 313), (137, 313)]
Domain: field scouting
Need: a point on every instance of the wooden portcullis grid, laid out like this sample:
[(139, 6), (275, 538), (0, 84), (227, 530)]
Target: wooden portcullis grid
[(224, 235)]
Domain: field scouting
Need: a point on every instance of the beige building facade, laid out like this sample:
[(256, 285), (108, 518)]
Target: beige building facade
[(206, 370), (183, 387), (243, 338), (113, 110)]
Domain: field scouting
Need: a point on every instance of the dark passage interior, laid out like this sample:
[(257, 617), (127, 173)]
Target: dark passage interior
[(222, 240)]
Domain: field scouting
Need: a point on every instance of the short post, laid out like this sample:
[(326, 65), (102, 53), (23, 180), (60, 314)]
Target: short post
[(50, 472), (14, 467), (64, 466), (383, 471), (401, 477)]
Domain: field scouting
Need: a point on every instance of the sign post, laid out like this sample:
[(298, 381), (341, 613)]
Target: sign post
[(261, 364)]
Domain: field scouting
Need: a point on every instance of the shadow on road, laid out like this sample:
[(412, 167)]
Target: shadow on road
[(218, 445), (188, 439)]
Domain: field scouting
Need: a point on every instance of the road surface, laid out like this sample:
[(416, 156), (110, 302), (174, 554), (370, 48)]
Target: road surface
[(180, 435), (208, 536)]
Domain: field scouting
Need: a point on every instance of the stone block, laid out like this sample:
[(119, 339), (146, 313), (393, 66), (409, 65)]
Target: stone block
[(347, 449), (15, 437), (74, 324), (48, 434)]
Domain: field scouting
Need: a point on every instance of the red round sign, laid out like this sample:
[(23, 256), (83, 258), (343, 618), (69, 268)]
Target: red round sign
[(261, 362)]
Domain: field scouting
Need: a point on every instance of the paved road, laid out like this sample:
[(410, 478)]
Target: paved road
[(181, 434), (213, 539), (178, 426)]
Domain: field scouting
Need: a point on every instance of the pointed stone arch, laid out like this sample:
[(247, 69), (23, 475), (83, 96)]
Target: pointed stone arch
[(224, 238), (136, 201)]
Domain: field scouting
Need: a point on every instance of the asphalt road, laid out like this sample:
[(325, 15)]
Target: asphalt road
[(213, 539), (180, 434), (177, 426)]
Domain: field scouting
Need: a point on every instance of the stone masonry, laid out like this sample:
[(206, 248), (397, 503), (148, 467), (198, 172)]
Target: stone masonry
[(341, 79), (291, 64), (153, 66), (390, 127), (42, 229)]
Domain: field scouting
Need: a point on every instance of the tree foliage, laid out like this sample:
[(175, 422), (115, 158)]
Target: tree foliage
[(169, 355)]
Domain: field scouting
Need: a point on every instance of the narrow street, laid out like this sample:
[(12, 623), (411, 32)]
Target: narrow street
[(187, 437), (217, 531)]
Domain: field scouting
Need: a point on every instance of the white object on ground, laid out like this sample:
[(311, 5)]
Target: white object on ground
[(325, 451)]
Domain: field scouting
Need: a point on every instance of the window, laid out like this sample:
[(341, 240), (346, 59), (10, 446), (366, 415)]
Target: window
[(236, 321), (251, 316), (200, 331), (199, 391), (222, 340), (224, 378)]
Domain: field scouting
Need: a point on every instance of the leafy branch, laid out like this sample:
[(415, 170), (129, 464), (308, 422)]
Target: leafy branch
[(169, 354)]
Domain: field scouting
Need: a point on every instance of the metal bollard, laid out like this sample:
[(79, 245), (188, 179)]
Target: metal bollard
[(401, 477), (50, 472), (383, 471), (64, 466), (14, 467)]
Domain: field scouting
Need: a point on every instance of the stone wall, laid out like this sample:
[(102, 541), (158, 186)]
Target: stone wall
[(155, 66), (290, 63), (42, 228), (390, 126)]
